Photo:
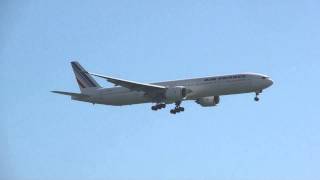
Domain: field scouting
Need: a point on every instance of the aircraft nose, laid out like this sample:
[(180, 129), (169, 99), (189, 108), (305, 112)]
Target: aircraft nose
[(270, 82)]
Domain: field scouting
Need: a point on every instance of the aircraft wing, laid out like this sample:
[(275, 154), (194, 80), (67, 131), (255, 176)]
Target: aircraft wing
[(135, 86)]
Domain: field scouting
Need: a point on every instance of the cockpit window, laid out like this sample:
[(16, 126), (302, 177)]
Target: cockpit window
[(265, 77)]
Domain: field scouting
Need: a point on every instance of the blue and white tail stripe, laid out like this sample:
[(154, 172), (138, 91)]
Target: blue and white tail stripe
[(83, 78)]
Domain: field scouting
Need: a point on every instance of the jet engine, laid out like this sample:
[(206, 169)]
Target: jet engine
[(208, 101), (174, 94)]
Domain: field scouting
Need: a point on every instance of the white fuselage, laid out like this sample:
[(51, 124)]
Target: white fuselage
[(200, 87)]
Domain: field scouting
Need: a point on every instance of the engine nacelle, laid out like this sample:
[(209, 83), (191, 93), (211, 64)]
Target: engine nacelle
[(208, 101), (174, 94)]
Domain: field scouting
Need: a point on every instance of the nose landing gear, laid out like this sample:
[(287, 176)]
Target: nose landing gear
[(257, 96)]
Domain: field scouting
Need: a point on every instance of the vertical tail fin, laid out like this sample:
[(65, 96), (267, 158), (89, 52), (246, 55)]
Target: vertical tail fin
[(83, 78)]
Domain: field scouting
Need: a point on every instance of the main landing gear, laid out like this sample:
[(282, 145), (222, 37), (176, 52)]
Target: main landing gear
[(177, 109), (158, 106)]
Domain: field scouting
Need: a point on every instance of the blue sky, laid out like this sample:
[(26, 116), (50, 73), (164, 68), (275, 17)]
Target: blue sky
[(47, 136)]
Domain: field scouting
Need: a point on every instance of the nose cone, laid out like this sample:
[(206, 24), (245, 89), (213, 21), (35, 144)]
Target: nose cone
[(269, 82)]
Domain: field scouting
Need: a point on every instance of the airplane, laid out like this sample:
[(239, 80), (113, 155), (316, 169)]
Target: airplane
[(205, 91)]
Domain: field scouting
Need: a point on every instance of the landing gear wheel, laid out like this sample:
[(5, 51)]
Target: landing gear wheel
[(257, 94), (158, 106), (177, 109)]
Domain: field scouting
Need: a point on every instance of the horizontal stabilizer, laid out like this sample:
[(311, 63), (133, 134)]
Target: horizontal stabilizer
[(77, 95)]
